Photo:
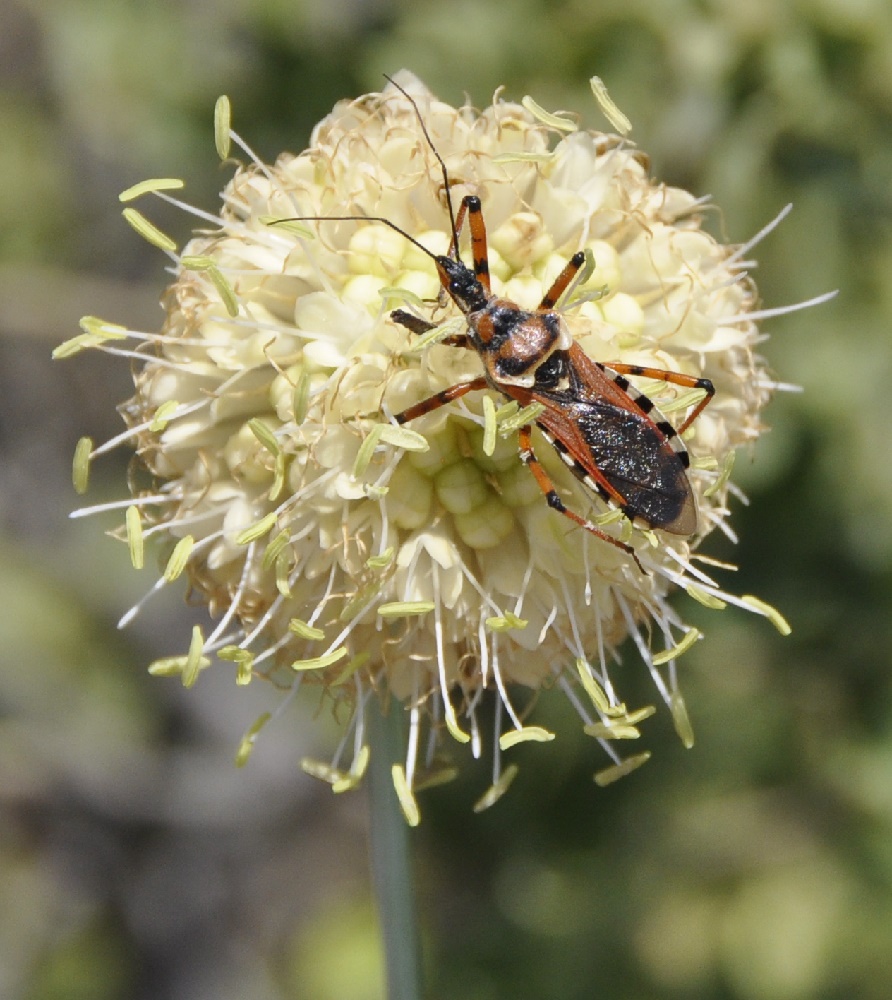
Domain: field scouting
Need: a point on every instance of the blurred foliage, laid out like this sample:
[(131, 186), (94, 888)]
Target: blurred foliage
[(136, 861)]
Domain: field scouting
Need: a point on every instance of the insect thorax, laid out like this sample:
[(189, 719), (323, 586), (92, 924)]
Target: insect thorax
[(514, 342)]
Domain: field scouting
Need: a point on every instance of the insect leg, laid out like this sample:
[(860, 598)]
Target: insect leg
[(440, 399), (471, 204), (560, 283), (678, 378), (459, 223), (413, 323), (421, 326), (554, 501)]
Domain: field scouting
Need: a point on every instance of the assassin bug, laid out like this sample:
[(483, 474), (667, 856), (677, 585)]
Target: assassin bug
[(609, 434)]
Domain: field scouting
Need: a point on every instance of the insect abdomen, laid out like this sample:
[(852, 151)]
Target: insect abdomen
[(634, 457)]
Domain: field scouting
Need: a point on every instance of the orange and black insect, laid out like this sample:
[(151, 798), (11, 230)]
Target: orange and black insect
[(608, 433)]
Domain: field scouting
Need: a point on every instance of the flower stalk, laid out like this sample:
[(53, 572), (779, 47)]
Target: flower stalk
[(390, 851)]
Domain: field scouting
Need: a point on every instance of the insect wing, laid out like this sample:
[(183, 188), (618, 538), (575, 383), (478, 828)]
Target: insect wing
[(606, 437)]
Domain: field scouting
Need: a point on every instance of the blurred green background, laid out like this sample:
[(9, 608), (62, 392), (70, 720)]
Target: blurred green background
[(135, 860)]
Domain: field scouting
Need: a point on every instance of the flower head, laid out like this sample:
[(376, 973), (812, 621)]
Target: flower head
[(339, 548)]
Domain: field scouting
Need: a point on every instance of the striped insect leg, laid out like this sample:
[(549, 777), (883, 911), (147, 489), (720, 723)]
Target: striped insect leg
[(676, 378), (415, 324), (559, 286), (552, 498), (479, 252), (440, 399)]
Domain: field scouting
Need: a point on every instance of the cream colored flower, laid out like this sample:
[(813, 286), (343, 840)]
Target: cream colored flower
[(340, 549)]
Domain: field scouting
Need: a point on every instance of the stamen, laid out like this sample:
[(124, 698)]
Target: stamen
[(745, 248), (526, 415), (405, 609), (770, 612), (452, 725), (414, 728), (366, 450), (681, 719), (150, 186), (641, 645), (607, 105), (305, 630), (135, 537), (237, 598), (80, 467), (246, 745), (179, 558), (137, 429), (222, 126), (320, 662), (611, 774), (243, 659), (407, 800), (402, 437), (691, 637), (523, 156), (496, 790), (555, 121), (525, 734), (194, 658), (705, 597), (759, 314), (500, 684), (148, 231), (256, 531)]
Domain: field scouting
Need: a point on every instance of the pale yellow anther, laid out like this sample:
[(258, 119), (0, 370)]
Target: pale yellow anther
[(320, 662), (194, 658), (148, 231), (405, 609), (407, 800), (610, 774), (770, 612), (681, 719), (246, 746), (150, 186), (305, 630), (556, 121), (403, 437), (222, 126), (506, 622), (497, 790), (703, 597), (529, 734), (179, 558), (80, 468), (592, 688), (256, 531), (611, 110), (163, 415), (133, 524), (690, 637)]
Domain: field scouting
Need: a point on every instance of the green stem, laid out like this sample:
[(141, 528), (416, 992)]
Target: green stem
[(391, 856)]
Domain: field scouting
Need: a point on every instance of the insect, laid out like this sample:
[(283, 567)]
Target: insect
[(608, 433)]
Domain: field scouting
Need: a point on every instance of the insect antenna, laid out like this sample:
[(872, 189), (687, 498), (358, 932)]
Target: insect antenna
[(435, 151), (357, 218)]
